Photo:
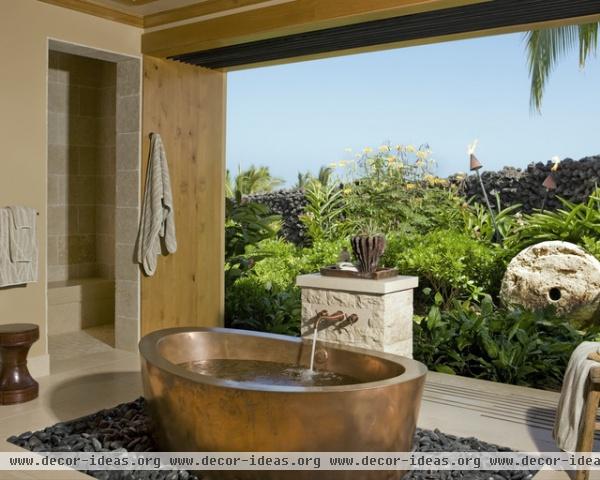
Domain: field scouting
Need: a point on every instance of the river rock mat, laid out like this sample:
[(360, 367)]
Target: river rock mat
[(128, 428)]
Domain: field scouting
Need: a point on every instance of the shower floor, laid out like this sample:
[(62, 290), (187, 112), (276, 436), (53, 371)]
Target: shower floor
[(89, 341)]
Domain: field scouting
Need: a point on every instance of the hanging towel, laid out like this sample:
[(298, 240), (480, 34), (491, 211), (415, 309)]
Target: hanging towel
[(158, 219), (572, 397), (16, 272), (22, 234)]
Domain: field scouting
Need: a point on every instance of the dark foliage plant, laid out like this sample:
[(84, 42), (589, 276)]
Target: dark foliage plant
[(252, 305), (575, 223), (509, 346), (245, 224), (449, 262)]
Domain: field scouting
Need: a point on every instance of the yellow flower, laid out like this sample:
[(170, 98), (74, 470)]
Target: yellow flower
[(384, 148), (367, 150), (411, 149), (398, 147), (332, 165), (410, 186), (421, 154)]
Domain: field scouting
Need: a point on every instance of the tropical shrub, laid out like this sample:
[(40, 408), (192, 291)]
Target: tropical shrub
[(575, 223), (394, 189), (283, 261), (246, 223), (510, 346), (451, 263), (266, 298), (324, 212), (252, 305), (478, 221)]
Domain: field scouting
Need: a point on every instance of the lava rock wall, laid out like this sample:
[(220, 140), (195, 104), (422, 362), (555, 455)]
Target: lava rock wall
[(290, 205), (575, 181)]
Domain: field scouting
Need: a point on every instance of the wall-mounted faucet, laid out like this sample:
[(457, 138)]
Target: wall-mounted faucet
[(340, 319)]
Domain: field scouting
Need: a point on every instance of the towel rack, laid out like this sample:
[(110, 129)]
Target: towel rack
[(37, 213)]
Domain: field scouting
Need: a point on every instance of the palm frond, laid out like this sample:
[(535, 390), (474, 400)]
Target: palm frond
[(254, 180), (546, 47), (588, 41)]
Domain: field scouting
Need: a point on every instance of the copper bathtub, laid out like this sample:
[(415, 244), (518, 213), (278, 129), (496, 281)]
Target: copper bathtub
[(195, 412)]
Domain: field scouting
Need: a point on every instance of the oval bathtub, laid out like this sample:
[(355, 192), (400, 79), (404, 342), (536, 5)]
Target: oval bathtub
[(196, 412)]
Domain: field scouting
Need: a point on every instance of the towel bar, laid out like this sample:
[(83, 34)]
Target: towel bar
[(37, 213)]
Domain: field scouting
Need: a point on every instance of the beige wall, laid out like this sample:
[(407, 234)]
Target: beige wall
[(25, 26)]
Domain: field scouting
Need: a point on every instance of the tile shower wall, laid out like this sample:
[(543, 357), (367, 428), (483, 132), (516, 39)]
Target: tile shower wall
[(81, 167), (127, 272)]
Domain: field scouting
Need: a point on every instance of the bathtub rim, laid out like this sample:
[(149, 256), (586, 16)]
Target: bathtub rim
[(413, 369)]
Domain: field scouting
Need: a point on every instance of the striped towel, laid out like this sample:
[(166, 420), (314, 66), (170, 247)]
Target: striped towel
[(22, 243), (21, 271), (158, 219)]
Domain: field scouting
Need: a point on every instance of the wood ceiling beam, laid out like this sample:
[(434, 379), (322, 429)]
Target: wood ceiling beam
[(297, 16), (423, 41), (207, 7), (90, 8), (135, 3)]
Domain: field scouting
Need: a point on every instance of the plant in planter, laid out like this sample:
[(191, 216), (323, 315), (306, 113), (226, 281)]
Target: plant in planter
[(368, 247)]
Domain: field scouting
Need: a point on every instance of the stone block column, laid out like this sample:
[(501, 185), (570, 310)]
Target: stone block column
[(384, 309)]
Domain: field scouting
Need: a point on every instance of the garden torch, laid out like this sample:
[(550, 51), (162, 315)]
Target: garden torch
[(475, 166), (549, 183)]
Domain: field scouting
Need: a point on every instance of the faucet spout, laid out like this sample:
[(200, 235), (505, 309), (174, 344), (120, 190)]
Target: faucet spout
[(339, 319), (324, 316)]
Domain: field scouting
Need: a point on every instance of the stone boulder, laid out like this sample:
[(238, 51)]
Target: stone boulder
[(555, 273)]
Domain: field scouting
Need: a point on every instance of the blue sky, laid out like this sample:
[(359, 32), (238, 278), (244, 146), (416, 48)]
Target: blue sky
[(300, 116)]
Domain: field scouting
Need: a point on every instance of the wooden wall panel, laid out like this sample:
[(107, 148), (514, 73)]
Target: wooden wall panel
[(186, 105)]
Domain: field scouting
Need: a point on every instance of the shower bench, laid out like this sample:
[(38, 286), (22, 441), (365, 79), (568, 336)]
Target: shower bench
[(80, 303)]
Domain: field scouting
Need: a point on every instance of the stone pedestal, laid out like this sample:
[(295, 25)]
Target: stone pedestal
[(384, 309)]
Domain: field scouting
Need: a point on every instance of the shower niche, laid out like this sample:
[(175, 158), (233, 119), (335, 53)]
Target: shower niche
[(93, 198)]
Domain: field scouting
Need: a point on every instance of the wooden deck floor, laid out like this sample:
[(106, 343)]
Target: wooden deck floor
[(516, 417)]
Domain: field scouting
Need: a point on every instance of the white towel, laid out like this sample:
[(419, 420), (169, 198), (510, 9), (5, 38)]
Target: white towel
[(572, 397), (158, 218), (15, 273), (22, 240)]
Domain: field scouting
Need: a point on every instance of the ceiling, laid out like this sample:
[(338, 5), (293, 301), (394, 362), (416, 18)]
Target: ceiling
[(144, 7), (156, 14)]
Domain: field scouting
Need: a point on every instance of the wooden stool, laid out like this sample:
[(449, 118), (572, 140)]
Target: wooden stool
[(585, 442), (16, 384)]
